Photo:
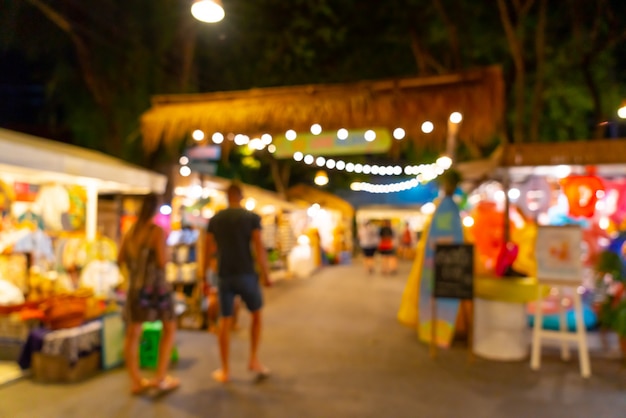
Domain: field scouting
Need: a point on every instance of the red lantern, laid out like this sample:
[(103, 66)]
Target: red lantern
[(582, 194)]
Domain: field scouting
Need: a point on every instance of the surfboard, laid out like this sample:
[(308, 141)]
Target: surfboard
[(445, 227)]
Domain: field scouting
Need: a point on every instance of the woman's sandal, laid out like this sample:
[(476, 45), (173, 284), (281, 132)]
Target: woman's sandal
[(168, 384), (144, 385)]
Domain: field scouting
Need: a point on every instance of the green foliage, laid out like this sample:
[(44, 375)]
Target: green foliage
[(611, 279), (276, 42), (610, 263)]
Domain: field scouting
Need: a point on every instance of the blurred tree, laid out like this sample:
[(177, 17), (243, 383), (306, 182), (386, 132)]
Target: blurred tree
[(106, 60), (564, 61)]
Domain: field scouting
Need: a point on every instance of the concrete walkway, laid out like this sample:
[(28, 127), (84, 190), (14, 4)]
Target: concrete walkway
[(336, 350)]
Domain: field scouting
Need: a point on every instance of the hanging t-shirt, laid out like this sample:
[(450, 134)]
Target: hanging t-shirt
[(101, 276), (53, 201)]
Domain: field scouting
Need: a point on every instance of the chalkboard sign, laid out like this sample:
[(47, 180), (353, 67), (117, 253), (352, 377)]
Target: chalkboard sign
[(454, 271)]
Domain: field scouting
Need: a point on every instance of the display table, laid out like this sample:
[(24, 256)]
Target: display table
[(501, 330), (63, 355)]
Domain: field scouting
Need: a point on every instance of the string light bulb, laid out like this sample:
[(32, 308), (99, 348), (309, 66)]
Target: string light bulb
[(399, 133)]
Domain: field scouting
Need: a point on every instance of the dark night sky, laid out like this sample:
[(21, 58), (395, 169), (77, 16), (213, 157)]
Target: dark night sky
[(23, 104)]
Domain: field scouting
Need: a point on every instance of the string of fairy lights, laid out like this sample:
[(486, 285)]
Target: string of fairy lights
[(423, 173)]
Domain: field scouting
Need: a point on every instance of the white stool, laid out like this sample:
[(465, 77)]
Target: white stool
[(501, 330)]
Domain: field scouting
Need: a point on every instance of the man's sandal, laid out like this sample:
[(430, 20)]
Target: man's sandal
[(168, 384)]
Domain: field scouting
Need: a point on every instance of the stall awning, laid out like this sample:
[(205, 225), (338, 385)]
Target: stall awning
[(311, 195), (262, 196), (38, 160)]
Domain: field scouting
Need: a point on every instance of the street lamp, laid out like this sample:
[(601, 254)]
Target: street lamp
[(209, 11)]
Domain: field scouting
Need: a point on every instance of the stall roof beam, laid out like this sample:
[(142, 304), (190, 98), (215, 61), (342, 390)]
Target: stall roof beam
[(592, 152)]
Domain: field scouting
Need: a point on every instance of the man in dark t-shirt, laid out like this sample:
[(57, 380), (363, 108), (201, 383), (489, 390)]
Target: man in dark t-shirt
[(232, 235)]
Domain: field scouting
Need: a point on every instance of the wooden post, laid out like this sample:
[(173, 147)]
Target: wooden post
[(469, 318), (433, 328), (535, 356)]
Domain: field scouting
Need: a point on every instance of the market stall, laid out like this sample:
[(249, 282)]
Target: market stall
[(56, 266), (329, 221), (577, 184)]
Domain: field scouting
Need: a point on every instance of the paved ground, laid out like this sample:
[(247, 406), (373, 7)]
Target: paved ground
[(337, 350)]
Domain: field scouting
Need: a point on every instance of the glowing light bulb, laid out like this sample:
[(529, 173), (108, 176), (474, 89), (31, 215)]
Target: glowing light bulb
[(316, 129), (197, 135), (291, 135), (217, 138), (208, 11), (342, 134), (166, 210), (399, 133), (456, 117)]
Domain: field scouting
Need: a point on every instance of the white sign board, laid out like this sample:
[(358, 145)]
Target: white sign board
[(558, 253), (112, 340)]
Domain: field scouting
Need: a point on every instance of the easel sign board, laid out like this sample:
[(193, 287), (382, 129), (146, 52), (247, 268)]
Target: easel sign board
[(454, 271), (559, 263), (558, 253)]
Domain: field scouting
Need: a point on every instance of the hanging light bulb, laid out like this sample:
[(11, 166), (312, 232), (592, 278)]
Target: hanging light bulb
[(321, 178), (209, 11)]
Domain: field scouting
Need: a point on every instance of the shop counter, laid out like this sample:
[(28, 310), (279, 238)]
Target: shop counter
[(501, 330)]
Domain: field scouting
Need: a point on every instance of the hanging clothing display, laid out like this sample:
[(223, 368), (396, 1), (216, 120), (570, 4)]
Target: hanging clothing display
[(101, 276), (536, 195), (53, 201)]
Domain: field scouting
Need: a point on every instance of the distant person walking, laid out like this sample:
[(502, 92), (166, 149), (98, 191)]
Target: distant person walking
[(368, 241), (406, 242), (149, 296), (387, 248), (231, 235)]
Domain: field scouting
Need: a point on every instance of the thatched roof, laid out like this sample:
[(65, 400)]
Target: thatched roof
[(402, 102)]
